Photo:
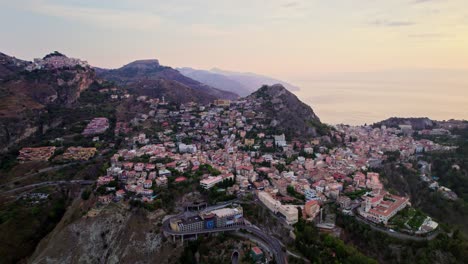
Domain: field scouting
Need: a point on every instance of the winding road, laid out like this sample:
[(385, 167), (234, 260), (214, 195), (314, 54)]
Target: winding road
[(48, 183), (275, 247)]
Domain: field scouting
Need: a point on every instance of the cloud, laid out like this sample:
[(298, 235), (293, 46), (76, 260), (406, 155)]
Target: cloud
[(107, 18), (391, 23)]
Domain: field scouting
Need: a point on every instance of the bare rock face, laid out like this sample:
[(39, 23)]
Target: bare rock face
[(287, 113), (115, 235)]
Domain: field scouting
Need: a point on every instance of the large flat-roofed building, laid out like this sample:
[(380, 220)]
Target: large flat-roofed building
[(228, 216), (194, 223), (270, 202), (290, 212), (381, 208), (222, 102), (211, 181), (219, 218)]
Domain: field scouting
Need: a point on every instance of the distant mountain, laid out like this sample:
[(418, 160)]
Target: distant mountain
[(28, 90), (287, 114), (418, 123), (149, 73), (219, 81), (241, 83)]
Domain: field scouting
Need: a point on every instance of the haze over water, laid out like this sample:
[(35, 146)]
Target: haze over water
[(362, 98)]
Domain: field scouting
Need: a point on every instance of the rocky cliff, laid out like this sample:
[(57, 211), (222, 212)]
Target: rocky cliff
[(287, 113), (25, 96), (108, 234)]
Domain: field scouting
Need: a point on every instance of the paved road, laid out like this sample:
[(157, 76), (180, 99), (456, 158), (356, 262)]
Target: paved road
[(48, 183), (272, 242), (29, 175)]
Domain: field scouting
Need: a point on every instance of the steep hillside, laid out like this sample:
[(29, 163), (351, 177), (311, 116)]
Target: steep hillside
[(115, 235), (172, 91), (287, 113), (10, 66), (138, 72), (56, 81)]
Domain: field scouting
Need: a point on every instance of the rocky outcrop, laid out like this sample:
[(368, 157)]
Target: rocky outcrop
[(25, 95), (287, 113), (115, 235)]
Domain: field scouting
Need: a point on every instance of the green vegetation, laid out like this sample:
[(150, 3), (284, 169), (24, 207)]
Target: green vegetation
[(392, 156), (218, 192), (321, 128), (453, 177), (86, 194), (408, 218), (442, 249), (324, 248), (356, 194), (291, 191), (23, 225), (416, 219), (207, 169)]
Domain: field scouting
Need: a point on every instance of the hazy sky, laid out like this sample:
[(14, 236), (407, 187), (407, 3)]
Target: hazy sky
[(285, 39)]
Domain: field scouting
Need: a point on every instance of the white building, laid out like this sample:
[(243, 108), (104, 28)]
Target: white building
[(290, 212), (211, 181), (183, 148), (280, 141)]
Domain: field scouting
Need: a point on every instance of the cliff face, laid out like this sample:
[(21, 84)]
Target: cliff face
[(114, 235), (287, 113), (140, 73), (26, 95)]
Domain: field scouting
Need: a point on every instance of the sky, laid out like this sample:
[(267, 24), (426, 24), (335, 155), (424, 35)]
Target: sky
[(356, 61), (286, 39)]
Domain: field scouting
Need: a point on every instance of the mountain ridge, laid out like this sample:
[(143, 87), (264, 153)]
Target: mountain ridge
[(139, 71), (243, 83)]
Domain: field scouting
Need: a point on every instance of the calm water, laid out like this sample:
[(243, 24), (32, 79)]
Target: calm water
[(367, 101)]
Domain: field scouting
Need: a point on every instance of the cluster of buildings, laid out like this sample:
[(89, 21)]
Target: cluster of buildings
[(36, 154), (232, 138), (211, 219), (379, 208), (78, 153), (56, 61), (98, 125), (210, 181), (432, 181)]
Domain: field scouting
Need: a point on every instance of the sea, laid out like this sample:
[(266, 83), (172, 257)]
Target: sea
[(359, 101)]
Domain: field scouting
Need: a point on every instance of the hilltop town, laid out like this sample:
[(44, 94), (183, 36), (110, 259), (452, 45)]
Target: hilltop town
[(262, 170), (229, 147)]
